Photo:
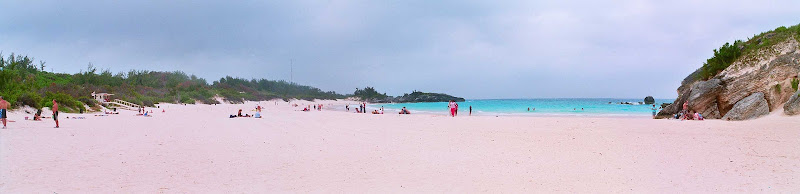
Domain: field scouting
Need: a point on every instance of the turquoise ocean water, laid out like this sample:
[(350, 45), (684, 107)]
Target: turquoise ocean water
[(544, 107)]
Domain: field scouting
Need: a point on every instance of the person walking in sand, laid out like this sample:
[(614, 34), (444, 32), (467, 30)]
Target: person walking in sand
[(452, 106), (55, 112), (3, 111), (470, 110)]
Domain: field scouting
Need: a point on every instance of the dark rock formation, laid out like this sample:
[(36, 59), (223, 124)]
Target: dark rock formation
[(649, 100), (751, 107), (792, 107), (417, 96)]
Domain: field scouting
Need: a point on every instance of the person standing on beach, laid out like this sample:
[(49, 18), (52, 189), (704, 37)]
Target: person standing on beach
[(452, 106), (655, 110), (55, 112), (456, 108), (470, 110), (3, 111)]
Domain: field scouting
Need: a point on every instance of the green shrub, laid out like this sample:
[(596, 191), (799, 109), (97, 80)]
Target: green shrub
[(87, 101), (187, 100), (723, 57), (795, 82), (65, 101), (778, 88), (31, 99)]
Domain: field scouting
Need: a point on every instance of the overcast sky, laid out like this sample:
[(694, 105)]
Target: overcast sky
[(474, 49)]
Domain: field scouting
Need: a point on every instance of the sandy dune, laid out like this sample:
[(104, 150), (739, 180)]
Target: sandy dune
[(198, 149)]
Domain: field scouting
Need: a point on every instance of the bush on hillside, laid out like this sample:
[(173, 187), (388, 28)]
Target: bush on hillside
[(723, 57), (31, 99)]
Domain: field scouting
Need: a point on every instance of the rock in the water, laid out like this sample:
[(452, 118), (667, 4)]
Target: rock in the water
[(649, 100), (703, 98), (792, 107), (752, 107)]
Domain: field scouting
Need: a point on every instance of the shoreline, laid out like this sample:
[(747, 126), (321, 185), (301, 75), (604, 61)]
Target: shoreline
[(376, 106)]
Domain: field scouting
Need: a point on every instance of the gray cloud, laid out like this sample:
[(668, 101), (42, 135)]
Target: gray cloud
[(476, 49)]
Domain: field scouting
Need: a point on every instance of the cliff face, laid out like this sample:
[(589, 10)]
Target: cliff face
[(768, 70)]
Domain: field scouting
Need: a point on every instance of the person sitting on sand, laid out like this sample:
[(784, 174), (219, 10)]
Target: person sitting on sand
[(375, 112), (240, 113), (698, 116), (404, 111), (258, 115), (38, 115), (685, 111)]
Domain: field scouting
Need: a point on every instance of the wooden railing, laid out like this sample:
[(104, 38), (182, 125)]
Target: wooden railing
[(123, 104), (132, 105)]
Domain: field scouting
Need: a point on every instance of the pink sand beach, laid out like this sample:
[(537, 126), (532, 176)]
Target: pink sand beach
[(198, 149)]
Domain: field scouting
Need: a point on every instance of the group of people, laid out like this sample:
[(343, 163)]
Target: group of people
[(4, 105), (256, 115), (685, 114), (145, 113), (362, 108), (317, 107), (378, 112), (404, 111), (453, 105)]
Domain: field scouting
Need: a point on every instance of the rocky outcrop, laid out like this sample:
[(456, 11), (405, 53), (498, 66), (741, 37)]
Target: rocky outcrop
[(649, 100), (751, 107), (768, 70), (426, 97), (792, 107), (417, 96), (703, 98), (683, 95), (770, 75)]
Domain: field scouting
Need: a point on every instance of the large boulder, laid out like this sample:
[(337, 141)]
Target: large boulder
[(751, 107), (649, 100), (683, 95), (792, 107), (703, 98)]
